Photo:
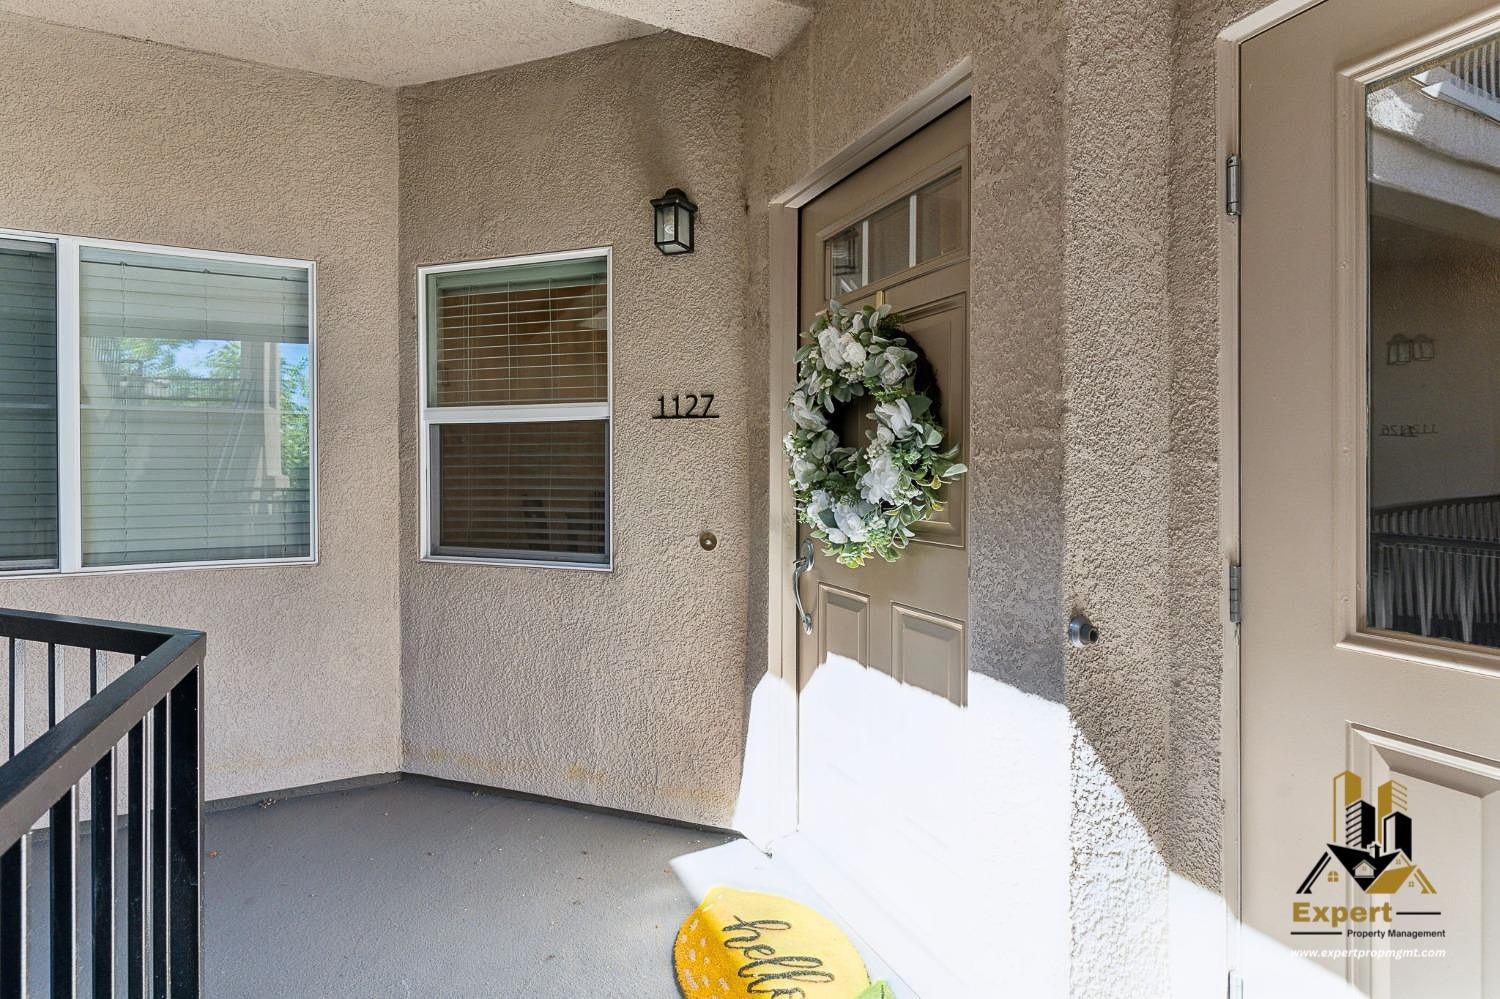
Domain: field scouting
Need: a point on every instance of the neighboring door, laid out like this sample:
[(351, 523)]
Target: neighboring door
[(1370, 518), (888, 640)]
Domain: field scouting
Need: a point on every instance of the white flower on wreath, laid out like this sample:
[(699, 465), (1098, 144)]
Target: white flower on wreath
[(853, 351), (803, 472), (897, 416), (851, 526), (805, 413), (829, 346), (817, 503), (895, 366), (879, 484)]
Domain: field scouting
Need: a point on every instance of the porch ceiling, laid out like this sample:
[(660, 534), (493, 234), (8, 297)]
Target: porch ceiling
[(396, 43)]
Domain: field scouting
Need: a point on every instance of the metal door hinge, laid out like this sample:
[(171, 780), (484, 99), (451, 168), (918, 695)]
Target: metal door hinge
[(1234, 170), (1236, 988), (1235, 582)]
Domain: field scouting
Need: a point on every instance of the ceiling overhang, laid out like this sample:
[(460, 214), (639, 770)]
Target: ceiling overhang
[(395, 43)]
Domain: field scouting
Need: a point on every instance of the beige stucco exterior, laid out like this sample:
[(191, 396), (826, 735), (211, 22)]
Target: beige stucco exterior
[(124, 140), (625, 688), (1095, 394)]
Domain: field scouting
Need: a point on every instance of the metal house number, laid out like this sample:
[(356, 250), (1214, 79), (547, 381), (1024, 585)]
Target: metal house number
[(689, 406)]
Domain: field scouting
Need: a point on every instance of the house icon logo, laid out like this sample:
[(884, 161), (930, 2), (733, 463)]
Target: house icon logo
[(1372, 842)]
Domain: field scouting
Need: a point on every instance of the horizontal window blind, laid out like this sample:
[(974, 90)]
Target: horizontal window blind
[(195, 423), (28, 404), (503, 339), (520, 334), (524, 490)]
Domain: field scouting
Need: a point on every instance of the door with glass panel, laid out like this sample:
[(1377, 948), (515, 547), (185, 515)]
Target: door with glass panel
[(883, 633), (1370, 519)]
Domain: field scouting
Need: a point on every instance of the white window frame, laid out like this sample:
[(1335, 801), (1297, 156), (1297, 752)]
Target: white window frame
[(70, 402), (429, 418)]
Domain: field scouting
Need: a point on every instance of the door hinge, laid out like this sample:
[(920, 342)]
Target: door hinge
[(1234, 171), (1235, 582), (1236, 988)]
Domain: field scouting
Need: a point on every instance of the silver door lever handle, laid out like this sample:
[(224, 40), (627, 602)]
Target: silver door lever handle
[(802, 565)]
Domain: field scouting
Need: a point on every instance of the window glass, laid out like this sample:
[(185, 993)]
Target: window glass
[(940, 217), (890, 240), (884, 243), (196, 399), (524, 490), (846, 260), (28, 404), (1434, 351), (506, 339), (529, 333)]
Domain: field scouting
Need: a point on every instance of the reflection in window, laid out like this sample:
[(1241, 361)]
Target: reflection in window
[(195, 424), (911, 230), (1434, 352)]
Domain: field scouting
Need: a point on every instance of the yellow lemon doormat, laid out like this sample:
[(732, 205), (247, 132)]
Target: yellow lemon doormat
[(746, 945)]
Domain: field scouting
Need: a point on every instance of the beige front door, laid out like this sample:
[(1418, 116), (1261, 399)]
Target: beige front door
[(888, 641), (1370, 519), (898, 228)]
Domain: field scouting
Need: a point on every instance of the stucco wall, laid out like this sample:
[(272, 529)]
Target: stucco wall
[(623, 689), (1095, 393), (1094, 468), (107, 137)]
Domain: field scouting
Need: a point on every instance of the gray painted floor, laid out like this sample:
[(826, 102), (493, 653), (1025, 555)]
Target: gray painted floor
[(426, 890)]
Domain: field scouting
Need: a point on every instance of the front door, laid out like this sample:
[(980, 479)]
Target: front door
[(1370, 520), (888, 640)]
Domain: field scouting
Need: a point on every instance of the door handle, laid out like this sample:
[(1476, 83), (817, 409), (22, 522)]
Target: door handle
[(798, 568)]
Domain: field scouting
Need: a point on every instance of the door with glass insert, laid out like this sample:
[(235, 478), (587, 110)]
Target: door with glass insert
[(1370, 502)]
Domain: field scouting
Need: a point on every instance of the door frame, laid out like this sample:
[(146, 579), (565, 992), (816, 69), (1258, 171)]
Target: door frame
[(773, 814), (1351, 306)]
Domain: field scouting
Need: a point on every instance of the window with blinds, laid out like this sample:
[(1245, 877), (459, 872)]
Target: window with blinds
[(195, 426), (516, 410), (28, 404)]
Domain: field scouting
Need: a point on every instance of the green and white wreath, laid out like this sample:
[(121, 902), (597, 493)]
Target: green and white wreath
[(863, 501)]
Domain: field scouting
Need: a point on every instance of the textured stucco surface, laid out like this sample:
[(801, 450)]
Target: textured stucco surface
[(388, 43), (1094, 472), (107, 137), (625, 688), (1094, 385)]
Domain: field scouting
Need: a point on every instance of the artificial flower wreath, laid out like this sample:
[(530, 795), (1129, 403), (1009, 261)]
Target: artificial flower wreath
[(863, 501)]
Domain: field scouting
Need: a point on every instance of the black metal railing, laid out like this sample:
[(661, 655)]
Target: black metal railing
[(154, 708)]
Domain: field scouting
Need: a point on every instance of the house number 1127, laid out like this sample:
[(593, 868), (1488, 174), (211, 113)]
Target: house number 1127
[(691, 406)]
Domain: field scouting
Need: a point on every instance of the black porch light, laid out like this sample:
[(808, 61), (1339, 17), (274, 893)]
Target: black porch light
[(674, 222)]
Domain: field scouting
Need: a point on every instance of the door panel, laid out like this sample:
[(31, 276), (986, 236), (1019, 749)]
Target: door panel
[(1369, 743)]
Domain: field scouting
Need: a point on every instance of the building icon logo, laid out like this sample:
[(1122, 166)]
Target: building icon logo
[(1371, 844)]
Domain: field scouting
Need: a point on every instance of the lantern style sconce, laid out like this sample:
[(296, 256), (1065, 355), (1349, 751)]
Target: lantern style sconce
[(1423, 348), (674, 222)]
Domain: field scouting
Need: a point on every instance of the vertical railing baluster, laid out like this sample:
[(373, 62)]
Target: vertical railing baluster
[(158, 840), (185, 806), (135, 862), (62, 853), (102, 852), (13, 862)]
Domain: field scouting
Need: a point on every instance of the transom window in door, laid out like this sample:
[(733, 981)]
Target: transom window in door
[(1434, 349), (917, 227)]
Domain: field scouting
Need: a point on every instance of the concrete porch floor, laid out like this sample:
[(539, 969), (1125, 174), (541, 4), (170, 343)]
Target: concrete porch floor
[(422, 889)]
